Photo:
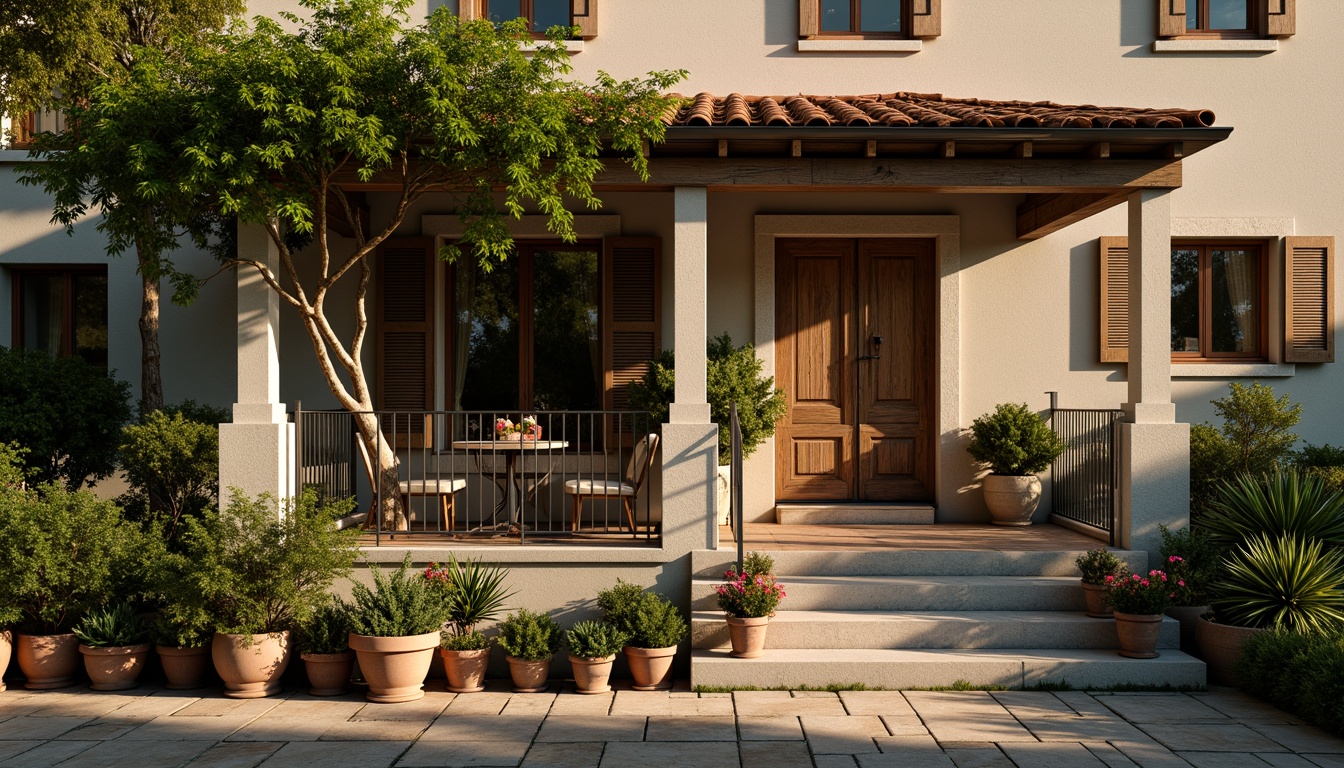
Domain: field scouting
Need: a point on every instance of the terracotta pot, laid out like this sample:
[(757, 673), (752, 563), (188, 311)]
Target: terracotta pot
[(6, 650), (185, 668), (395, 667), (114, 669), (251, 665), (1012, 498), (592, 675), (651, 667), (465, 670), (529, 676), (1188, 617), (48, 661), (1220, 645), (1139, 633), (748, 636), (328, 673), (1097, 605)]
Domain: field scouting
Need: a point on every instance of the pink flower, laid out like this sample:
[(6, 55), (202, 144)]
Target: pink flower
[(1109, 579), (1175, 559), (1181, 582)]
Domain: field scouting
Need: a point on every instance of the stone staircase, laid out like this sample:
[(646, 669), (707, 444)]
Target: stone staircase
[(915, 619), (854, 514)]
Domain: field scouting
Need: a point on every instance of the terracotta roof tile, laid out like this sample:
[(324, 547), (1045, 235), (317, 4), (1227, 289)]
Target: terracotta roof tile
[(916, 109)]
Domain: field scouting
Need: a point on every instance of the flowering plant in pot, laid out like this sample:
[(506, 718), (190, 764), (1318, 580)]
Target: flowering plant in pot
[(1192, 559), (655, 628), (473, 593), (1095, 566), (1016, 445), (592, 652), (394, 629), (1139, 602), (750, 598), (531, 640), (323, 641), (114, 643)]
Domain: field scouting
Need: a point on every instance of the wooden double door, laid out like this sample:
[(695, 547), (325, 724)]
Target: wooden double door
[(855, 354)]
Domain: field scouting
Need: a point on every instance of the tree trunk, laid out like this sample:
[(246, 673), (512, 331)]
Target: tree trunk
[(151, 375), (386, 469)]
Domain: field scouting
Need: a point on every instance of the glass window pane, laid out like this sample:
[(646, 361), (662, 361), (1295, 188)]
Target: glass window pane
[(835, 16), (567, 352), (1236, 301), (1184, 300), (1192, 14), (486, 340), (42, 304), (504, 10), (90, 318), (880, 16), (549, 13), (1228, 14)]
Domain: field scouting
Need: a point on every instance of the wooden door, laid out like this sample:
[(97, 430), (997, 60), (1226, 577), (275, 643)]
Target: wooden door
[(859, 411)]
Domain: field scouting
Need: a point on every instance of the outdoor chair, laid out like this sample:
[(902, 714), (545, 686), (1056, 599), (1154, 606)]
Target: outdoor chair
[(444, 488), (626, 489)]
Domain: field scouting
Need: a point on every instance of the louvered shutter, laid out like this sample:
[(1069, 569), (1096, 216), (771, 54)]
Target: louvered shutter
[(405, 335), (632, 314), (1309, 300), (809, 18), (1280, 18), (1171, 18), (584, 13), (1114, 300), (926, 18)]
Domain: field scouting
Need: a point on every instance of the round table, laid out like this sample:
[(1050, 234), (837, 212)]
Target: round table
[(511, 450)]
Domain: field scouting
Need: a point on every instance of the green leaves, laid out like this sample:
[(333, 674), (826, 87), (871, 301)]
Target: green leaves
[(475, 592), (646, 619), (113, 627), (1283, 503), (400, 605), (529, 636), (1013, 440), (327, 630), (594, 640), (1282, 582)]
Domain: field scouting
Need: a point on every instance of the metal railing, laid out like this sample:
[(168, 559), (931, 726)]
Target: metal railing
[(1084, 477), (450, 474)]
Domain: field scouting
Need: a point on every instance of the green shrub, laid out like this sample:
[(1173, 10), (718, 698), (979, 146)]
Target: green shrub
[(594, 640), (1013, 440), (1189, 555), (1302, 674), (758, 564), (1318, 456), (620, 604), (1282, 582), (114, 627), (1254, 438), (1099, 563), (473, 592), (326, 630), (400, 605), (66, 412), (1282, 502), (464, 641), (647, 619), (529, 636), (172, 465), (13, 473)]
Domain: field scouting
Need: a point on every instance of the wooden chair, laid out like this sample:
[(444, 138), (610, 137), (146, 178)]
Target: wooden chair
[(627, 489), (442, 487)]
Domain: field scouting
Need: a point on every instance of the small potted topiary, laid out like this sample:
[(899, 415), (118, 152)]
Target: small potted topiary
[(655, 628), (1139, 603), (1095, 566), (531, 640), (1016, 444), (183, 648), (114, 643), (394, 629), (749, 599), (473, 593), (323, 643), (592, 652)]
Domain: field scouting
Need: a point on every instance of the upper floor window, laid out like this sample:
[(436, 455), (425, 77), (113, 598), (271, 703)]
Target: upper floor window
[(1231, 19), (869, 18), (1217, 301), (541, 15), (869, 25), (62, 311), (1218, 17)]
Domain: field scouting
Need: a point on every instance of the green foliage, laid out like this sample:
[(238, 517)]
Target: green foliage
[(733, 375), (647, 619), (1323, 456), (1141, 595), (1211, 463), (620, 603), (474, 593), (13, 473), (1302, 674), (63, 554), (67, 413), (112, 627), (758, 564), (171, 462), (1254, 438), (594, 640), (326, 630), (1282, 582), (256, 567), (745, 596), (1283, 502), (1099, 563), (1190, 555), (465, 641), (400, 605), (182, 627), (1014, 441), (529, 636)]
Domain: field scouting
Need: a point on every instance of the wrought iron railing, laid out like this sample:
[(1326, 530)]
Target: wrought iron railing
[(451, 474), (1084, 478)]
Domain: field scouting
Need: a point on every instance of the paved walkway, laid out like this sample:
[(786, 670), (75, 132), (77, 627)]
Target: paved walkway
[(150, 728)]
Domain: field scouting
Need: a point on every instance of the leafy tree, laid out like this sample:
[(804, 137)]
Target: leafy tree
[(1254, 438), (171, 462)]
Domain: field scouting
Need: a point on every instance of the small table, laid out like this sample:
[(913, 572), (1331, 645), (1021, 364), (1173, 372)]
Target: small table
[(511, 449)]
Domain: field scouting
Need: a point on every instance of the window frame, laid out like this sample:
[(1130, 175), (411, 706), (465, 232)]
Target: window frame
[(67, 272), (527, 10), (1199, 9), (856, 32), (1205, 246)]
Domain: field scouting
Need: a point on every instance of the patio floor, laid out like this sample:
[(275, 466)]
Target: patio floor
[(862, 538), (152, 728)]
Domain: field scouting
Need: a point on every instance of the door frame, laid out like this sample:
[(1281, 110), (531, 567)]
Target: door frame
[(945, 231)]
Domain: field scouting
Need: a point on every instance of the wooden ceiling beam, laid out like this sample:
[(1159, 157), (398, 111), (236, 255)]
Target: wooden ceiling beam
[(1042, 214)]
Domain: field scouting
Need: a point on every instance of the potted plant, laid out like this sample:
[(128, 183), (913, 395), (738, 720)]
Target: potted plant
[(1139, 602), (654, 627), (183, 649), (114, 643), (592, 652), (473, 593), (1095, 566), (323, 643), (1016, 444), (1191, 559), (749, 599), (531, 640), (394, 629)]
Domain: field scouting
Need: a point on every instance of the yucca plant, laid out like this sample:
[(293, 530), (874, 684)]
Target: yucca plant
[(1283, 502), (474, 592), (400, 605), (594, 640), (115, 627), (1282, 582)]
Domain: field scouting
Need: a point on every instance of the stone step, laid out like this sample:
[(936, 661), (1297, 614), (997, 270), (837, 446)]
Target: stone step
[(923, 668), (927, 630), (854, 514), (916, 593), (712, 563)]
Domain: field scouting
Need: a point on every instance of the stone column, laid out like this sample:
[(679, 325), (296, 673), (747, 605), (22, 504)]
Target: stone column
[(256, 451), (1154, 449)]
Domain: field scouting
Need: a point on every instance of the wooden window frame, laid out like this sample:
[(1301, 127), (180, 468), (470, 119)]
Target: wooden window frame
[(1200, 10), (67, 274), (1205, 354), (856, 24), (527, 9)]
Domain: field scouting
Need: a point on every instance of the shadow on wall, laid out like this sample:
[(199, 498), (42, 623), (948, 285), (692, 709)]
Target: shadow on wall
[(1138, 25), (1084, 331)]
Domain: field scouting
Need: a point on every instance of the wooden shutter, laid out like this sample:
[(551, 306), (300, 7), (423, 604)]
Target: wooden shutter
[(809, 18), (468, 10), (584, 13), (926, 18), (1280, 18), (405, 334), (1171, 18), (632, 313), (1114, 299), (1309, 300)]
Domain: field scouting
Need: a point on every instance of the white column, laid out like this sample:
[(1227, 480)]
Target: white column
[(690, 248), (1154, 449), (256, 451)]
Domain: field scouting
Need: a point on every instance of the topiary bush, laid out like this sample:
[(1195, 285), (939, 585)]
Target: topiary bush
[(529, 636), (1302, 674), (1013, 440), (594, 640), (646, 619)]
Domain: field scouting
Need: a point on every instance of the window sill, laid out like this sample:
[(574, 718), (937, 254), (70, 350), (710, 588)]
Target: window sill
[(571, 46), (1231, 370), (823, 45), (1215, 46)]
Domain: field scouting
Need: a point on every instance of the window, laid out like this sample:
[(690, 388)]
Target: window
[(1228, 19), (62, 311), (540, 14), (1217, 302), (868, 18), (1225, 18)]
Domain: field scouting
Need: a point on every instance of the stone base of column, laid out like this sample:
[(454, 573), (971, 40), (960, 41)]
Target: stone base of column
[(256, 459), (1154, 484), (690, 468)]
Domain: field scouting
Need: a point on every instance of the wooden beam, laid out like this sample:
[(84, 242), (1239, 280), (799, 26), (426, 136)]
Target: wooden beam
[(1042, 214), (797, 148), (1101, 150), (871, 149), (949, 149), (723, 147), (1023, 150)]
